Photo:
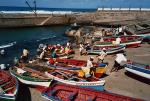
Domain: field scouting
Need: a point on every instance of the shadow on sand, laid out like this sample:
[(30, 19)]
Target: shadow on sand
[(137, 77), (23, 93)]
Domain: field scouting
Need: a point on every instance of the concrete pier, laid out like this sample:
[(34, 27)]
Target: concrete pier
[(99, 18)]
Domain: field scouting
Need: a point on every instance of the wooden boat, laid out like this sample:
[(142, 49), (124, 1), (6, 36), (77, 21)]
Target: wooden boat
[(113, 38), (60, 92), (138, 69), (129, 41), (109, 49), (73, 64), (30, 76), (8, 86), (68, 76)]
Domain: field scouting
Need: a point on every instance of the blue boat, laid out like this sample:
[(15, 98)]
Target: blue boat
[(138, 69)]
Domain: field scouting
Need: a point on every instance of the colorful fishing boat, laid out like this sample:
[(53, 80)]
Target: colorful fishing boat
[(113, 38), (8, 86), (68, 76), (60, 92), (73, 64), (138, 69), (129, 42), (109, 49), (30, 76)]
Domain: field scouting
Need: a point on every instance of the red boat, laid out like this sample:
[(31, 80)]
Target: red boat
[(60, 92), (8, 86), (73, 64), (129, 41)]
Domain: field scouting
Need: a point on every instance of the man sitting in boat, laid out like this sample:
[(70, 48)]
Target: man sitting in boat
[(54, 55), (88, 70), (102, 55)]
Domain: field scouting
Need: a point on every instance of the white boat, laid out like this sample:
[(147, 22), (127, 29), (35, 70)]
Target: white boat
[(77, 83), (138, 69), (31, 80)]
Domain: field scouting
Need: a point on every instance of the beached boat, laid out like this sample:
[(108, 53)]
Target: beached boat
[(60, 92), (129, 41), (30, 76), (113, 38), (68, 76), (109, 49), (73, 64), (138, 69), (8, 86)]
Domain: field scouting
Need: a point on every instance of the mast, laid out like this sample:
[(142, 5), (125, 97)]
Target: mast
[(31, 7)]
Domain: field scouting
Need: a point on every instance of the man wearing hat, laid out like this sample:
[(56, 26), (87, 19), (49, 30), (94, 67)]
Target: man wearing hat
[(102, 55)]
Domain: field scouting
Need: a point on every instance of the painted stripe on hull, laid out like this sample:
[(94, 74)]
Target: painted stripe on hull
[(138, 72)]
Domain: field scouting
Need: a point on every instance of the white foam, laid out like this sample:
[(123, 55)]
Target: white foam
[(7, 45), (38, 12)]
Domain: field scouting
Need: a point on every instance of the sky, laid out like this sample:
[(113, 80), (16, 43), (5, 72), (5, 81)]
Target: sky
[(79, 3)]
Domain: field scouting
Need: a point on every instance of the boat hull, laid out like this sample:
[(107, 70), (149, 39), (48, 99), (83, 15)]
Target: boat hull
[(30, 81), (109, 51), (95, 83), (138, 71), (133, 44), (13, 81), (59, 92)]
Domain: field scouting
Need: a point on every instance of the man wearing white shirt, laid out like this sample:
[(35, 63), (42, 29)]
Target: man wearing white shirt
[(119, 59)]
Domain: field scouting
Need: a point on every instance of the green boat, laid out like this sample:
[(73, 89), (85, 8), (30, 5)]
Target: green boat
[(30, 76)]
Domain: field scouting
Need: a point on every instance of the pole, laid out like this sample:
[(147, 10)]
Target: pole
[(30, 7), (35, 8)]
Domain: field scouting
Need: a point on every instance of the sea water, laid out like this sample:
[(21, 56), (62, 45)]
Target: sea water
[(14, 40)]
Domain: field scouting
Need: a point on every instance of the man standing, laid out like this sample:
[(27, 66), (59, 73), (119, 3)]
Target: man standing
[(117, 64), (102, 55)]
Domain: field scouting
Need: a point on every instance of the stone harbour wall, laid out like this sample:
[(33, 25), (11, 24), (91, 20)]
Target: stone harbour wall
[(98, 17)]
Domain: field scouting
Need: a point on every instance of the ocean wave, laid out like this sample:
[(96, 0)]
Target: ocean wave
[(39, 12), (46, 38), (7, 45)]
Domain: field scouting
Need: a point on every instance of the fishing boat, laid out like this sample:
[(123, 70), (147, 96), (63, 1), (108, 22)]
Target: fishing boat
[(68, 76), (138, 69), (8, 86), (128, 41), (122, 37), (61, 92), (71, 78), (73, 64), (30, 76), (61, 52), (109, 49)]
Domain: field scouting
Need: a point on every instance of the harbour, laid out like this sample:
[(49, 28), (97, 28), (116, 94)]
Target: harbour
[(62, 54)]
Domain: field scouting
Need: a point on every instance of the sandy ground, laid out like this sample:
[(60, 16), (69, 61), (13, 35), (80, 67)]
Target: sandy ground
[(117, 82)]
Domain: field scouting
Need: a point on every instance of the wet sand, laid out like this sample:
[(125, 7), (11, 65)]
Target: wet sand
[(120, 82)]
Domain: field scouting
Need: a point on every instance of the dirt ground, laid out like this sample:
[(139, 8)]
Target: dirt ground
[(120, 82)]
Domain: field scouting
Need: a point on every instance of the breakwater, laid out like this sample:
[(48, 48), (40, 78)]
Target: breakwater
[(101, 17)]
